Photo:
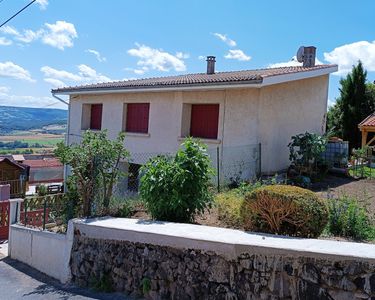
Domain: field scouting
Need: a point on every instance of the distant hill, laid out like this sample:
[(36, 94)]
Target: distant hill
[(26, 118)]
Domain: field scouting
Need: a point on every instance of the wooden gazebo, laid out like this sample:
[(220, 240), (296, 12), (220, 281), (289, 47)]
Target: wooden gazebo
[(367, 126)]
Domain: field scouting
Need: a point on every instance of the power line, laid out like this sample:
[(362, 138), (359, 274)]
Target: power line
[(17, 13), (57, 102)]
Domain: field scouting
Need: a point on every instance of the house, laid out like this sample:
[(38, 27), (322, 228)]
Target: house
[(232, 112), (367, 128), (45, 171), (15, 174)]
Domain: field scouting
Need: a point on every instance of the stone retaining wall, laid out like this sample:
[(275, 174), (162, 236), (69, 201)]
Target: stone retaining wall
[(164, 272)]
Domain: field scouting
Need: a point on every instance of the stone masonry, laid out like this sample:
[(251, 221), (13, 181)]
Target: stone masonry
[(162, 272)]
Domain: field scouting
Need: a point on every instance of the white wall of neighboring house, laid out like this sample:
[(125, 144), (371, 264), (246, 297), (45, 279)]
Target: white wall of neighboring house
[(268, 115)]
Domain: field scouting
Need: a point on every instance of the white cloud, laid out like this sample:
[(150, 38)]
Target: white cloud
[(4, 90), (59, 74), (97, 54), (9, 30), (182, 55), (225, 39), (156, 59), (292, 63), (10, 70), (85, 74), (55, 82), (89, 74), (5, 42), (201, 57), (42, 4), (59, 35), (331, 102), (30, 101), (348, 55), (27, 36), (237, 54)]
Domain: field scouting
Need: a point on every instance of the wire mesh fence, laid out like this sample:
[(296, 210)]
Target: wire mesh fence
[(363, 166), (231, 165)]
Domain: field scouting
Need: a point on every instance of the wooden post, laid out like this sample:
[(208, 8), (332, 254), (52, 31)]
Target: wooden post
[(364, 137)]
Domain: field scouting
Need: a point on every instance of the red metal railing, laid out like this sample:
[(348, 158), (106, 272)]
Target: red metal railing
[(4, 219), (41, 210)]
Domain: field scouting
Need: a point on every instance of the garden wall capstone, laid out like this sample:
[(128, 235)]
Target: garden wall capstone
[(234, 265)]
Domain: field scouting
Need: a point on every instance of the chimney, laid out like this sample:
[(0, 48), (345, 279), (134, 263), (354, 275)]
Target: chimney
[(309, 54), (210, 64)]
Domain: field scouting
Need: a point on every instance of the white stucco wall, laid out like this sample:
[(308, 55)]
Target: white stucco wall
[(286, 110), (269, 115), (223, 241), (45, 251)]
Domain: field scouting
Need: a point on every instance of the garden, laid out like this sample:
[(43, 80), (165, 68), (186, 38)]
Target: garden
[(304, 202)]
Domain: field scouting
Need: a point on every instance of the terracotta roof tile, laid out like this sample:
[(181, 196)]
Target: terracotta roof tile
[(233, 77), (43, 163), (369, 121)]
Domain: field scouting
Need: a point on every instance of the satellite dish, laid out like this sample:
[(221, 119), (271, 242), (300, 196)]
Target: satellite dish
[(300, 53)]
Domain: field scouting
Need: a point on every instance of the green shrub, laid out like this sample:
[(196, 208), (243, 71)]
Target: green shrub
[(145, 286), (284, 209), (125, 207), (103, 284), (42, 190), (305, 151), (247, 187), (229, 208), (175, 189), (348, 218)]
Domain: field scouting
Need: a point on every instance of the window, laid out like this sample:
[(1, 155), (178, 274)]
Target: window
[(204, 120), (91, 116), (137, 115), (96, 116)]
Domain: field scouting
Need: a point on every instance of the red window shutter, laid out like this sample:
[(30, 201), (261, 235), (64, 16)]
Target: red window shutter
[(204, 120), (96, 116), (137, 115)]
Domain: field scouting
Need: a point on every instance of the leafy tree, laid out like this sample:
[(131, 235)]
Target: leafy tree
[(356, 101), (334, 119), (305, 150), (175, 189), (94, 165)]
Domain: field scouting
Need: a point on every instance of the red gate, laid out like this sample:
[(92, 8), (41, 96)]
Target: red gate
[(4, 219)]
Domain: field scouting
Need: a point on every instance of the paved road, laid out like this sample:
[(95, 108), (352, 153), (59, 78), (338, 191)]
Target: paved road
[(19, 281)]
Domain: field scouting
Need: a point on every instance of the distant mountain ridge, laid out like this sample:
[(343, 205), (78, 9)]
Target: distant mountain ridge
[(27, 118)]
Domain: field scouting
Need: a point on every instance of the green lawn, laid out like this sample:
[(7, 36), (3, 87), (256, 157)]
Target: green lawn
[(44, 142)]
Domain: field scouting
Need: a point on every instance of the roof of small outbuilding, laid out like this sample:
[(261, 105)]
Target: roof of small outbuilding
[(369, 121)]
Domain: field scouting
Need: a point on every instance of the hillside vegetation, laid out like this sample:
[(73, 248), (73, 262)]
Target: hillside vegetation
[(25, 118)]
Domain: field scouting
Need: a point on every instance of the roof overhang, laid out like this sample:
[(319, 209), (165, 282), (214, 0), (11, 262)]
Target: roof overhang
[(266, 81)]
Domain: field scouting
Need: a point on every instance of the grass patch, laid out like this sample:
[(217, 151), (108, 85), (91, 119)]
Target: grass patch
[(348, 217), (364, 172), (43, 142)]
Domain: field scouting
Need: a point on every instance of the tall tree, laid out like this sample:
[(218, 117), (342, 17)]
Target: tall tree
[(95, 166), (356, 102)]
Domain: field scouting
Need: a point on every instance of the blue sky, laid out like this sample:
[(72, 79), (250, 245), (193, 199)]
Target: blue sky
[(70, 42)]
